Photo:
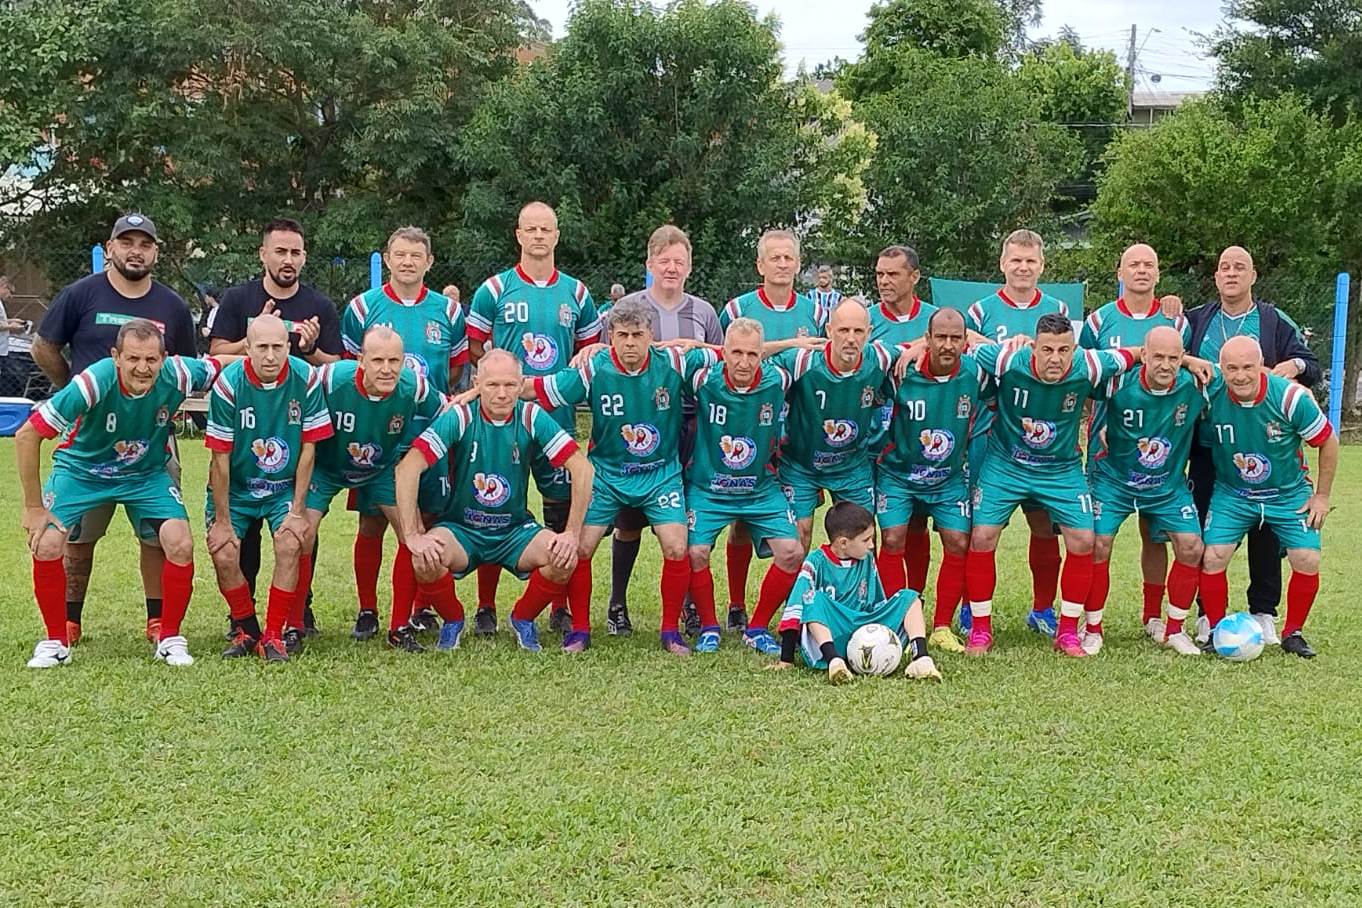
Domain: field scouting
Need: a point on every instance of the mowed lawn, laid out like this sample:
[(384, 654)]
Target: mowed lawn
[(358, 776)]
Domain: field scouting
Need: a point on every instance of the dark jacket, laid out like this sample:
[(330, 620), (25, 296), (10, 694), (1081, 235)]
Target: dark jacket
[(1278, 336)]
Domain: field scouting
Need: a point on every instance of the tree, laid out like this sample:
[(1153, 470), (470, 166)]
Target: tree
[(900, 30)]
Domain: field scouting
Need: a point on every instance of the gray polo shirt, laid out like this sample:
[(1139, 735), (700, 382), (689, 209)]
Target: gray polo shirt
[(694, 318)]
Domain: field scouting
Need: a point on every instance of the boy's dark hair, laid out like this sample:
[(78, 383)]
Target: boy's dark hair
[(846, 519), (1053, 323)]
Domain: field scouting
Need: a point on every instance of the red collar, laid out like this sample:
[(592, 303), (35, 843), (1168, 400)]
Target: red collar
[(123, 389), (832, 367), (1144, 382), (926, 370), (895, 317), (647, 358), (392, 295), (834, 557), (255, 379), (1154, 308), (553, 278), (359, 384), (490, 421), (1259, 398), (1036, 375), (766, 301), (756, 380), (1002, 294)]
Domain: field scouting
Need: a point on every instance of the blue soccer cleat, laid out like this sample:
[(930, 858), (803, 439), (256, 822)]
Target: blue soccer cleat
[(708, 641), (526, 634), (674, 644), (1043, 622), (760, 639), (966, 619), (451, 632)]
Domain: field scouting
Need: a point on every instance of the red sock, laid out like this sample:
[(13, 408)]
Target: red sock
[(981, 577), (440, 594), (950, 585), (240, 604), (739, 560), (675, 582), (1075, 582), (1097, 595), (1153, 601), (277, 611), (775, 589), (702, 594), (299, 607), (892, 574), (489, 575), (404, 588), (1182, 584), (579, 596), (49, 588), (368, 559), (917, 557), (538, 593), (1215, 596), (1300, 595), (177, 585), (1044, 557)]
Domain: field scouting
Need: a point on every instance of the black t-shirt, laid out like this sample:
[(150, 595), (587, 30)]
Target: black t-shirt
[(86, 317), (243, 302)]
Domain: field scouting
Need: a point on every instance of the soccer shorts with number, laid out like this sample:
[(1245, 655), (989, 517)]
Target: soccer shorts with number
[(1231, 516), (660, 495), (1168, 509), (842, 622), (766, 514), (801, 487), (147, 500), (432, 495), (246, 510), (978, 456), (554, 483), (897, 501), (1004, 487), (485, 545), (370, 495)]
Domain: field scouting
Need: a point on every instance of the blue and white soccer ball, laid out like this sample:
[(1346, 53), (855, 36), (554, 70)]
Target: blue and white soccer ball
[(874, 650), (1238, 638)]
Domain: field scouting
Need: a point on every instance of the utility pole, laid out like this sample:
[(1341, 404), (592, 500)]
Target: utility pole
[(1130, 76)]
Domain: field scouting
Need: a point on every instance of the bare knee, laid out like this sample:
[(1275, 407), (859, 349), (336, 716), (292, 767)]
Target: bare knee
[(893, 539), (1304, 561), (1078, 542), (1188, 549), (787, 554), (1101, 549), (176, 542), (52, 545), (699, 556)]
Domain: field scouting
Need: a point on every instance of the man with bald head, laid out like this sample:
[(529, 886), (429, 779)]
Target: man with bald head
[(1254, 428), (1238, 314), (265, 417)]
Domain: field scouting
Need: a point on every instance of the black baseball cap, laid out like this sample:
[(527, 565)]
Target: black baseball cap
[(133, 223)]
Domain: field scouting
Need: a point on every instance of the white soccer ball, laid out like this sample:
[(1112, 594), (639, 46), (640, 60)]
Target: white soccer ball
[(874, 650), (1238, 637)]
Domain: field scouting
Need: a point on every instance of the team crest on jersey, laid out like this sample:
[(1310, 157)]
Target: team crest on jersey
[(129, 452), (271, 454), (162, 416), (363, 455), (541, 352), (642, 439), (1070, 402), (766, 415), (1274, 430), (49, 499), (515, 453), (565, 318), (416, 363), (802, 332), (395, 424), (1180, 415), (863, 590), (809, 595), (937, 444), (977, 496), (1153, 451), (962, 407), (295, 413), (434, 336), (491, 489), (662, 399), (738, 452), (1037, 433), (839, 432), (1254, 468), (867, 397)]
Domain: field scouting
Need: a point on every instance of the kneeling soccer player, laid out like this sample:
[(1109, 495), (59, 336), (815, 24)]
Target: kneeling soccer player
[(838, 592)]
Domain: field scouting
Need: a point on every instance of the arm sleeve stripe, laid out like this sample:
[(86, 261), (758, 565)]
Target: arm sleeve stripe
[(39, 420)]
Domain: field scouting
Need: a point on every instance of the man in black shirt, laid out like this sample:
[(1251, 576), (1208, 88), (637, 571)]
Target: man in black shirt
[(84, 319), (314, 335)]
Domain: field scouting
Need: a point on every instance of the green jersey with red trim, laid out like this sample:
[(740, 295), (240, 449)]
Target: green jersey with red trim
[(892, 329), (929, 429), (854, 585), (371, 432), (797, 316), (998, 317), (737, 429), (1149, 432), (432, 328), (831, 412)]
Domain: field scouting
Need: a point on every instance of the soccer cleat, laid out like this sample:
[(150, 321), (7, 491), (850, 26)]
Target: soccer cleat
[(708, 641), (943, 638), (526, 634), (690, 618), (1203, 630), (1291, 643), (737, 618), (310, 628), (273, 651), (978, 643), (560, 622), (451, 632), (174, 651), (577, 642), (485, 621), (404, 639), (243, 644), (1091, 643), (617, 623), (366, 625), (760, 639), (672, 643), (966, 620), (1043, 622), (153, 629), (839, 673), (1268, 625), (72, 633), (424, 621), (921, 669), (293, 641), (1155, 629), (1069, 645), (1182, 644), (50, 654)]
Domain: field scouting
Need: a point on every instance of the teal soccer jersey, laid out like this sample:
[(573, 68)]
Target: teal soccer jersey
[(797, 316), (737, 430), (892, 329), (111, 434), (831, 412), (1149, 432), (432, 328), (1115, 325), (851, 585), (997, 317), (1256, 446), (929, 427), (371, 433)]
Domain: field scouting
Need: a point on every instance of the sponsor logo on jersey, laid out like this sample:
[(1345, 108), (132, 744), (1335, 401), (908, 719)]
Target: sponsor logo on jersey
[(416, 363), (662, 399), (434, 336), (1070, 402), (129, 452), (264, 488), (162, 416), (1153, 451), (1252, 467), (721, 482), (540, 351), (962, 407), (1037, 433), (565, 316), (937, 444), (737, 452), (641, 439), (924, 475), (1180, 415), (839, 432), (867, 397), (366, 454), (483, 520), (766, 415), (491, 489), (271, 454), (295, 413), (395, 424)]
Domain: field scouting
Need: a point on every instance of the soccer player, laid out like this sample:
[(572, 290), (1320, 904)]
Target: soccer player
[(921, 473), (435, 343), (266, 415), (1151, 415), (542, 316), (731, 478), (1254, 428), (838, 592), (115, 423), (1123, 322), (490, 445), (823, 293), (1033, 456), (377, 404)]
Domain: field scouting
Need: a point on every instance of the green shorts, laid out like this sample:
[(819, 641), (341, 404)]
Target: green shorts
[(842, 622), (432, 495), (1003, 487), (485, 546), (147, 500), (1231, 516), (247, 510), (369, 496), (897, 502), (660, 495), (554, 483), (766, 514), (802, 486), (1167, 509), (977, 456)]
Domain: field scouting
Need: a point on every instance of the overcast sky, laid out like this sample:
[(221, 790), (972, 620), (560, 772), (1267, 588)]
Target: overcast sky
[(818, 30)]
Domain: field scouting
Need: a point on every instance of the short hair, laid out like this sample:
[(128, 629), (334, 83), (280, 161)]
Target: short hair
[(944, 312), (1023, 237), (746, 325), (899, 251), (410, 234), (854, 300), (141, 329), (825, 269), (667, 235), (1054, 323), (628, 312), (496, 355), (281, 225), (846, 520), (378, 332), (614, 287), (776, 234)]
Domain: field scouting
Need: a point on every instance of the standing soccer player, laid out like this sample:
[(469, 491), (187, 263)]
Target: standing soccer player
[(266, 415), (823, 293), (1254, 428), (115, 423), (435, 344), (541, 316)]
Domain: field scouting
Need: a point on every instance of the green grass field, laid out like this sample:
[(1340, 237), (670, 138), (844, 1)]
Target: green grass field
[(358, 776)]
